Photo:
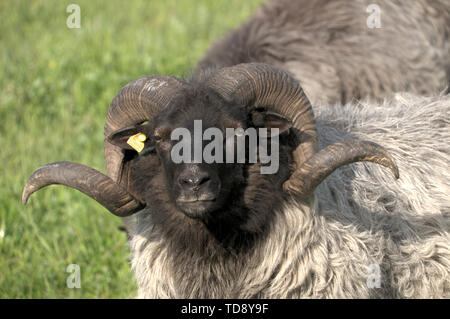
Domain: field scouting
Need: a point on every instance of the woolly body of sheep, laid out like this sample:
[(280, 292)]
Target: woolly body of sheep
[(330, 49), (359, 218)]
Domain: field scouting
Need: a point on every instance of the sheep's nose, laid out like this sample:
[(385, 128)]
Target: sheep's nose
[(194, 182)]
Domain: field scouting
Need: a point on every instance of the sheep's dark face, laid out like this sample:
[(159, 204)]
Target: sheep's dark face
[(206, 191), (196, 188)]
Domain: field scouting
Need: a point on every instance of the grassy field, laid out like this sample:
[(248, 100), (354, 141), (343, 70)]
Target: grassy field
[(55, 86)]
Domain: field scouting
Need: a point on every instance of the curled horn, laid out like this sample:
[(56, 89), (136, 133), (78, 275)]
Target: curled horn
[(314, 170), (87, 180), (137, 102), (260, 85)]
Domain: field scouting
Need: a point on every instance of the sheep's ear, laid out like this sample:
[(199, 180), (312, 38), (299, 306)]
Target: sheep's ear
[(120, 137), (271, 120)]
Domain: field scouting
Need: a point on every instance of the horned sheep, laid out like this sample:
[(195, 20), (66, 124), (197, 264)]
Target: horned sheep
[(318, 227)]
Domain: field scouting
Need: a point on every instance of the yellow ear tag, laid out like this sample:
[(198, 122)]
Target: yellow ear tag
[(136, 141)]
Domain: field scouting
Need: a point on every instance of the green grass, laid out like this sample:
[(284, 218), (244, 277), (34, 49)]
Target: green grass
[(55, 87)]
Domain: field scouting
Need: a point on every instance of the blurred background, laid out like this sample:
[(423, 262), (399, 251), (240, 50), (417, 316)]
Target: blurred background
[(56, 84)]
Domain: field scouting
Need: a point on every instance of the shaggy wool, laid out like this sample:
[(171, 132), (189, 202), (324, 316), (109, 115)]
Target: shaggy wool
[(362, 235)]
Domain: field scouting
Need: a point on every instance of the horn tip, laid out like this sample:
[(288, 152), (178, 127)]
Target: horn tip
[(26, 194), (395, 171)]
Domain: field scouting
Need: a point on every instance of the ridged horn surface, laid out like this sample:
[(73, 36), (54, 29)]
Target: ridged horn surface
[(88, 181), (261, 85), (135, 103), (312, 172)]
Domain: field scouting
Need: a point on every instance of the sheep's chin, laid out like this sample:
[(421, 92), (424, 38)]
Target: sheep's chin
[(197, 209)]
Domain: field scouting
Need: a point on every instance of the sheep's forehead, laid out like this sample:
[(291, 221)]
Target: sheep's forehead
[(210, 114)]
